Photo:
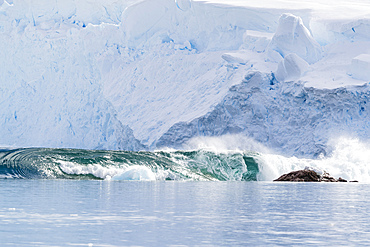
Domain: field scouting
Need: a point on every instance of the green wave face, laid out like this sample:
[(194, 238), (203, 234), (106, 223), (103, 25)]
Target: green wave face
[(199, 165)]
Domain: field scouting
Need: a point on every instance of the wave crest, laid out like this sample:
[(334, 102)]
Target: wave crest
[(198, 165)]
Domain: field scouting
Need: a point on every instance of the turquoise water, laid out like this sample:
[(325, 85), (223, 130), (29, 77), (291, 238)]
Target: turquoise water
[(199, 165), (68, 197), (173, 213)]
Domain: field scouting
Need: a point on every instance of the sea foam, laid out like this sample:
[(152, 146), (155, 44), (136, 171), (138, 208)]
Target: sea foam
[(349, 159), (136, 172)]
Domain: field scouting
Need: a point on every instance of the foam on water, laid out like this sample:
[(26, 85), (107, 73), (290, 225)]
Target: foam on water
[(96, 170), (219, 159), (194, 165), (136, 173), (350, 159)]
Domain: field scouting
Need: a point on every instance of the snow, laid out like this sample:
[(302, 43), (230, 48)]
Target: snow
[(360, 67), (292, 36), (121, 74), (256, 41), (183, 4), (324, 10), (291, 68), (238, 57)]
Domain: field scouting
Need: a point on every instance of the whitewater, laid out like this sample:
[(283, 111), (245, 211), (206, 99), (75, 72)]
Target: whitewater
[(349, 160), (285, 80)]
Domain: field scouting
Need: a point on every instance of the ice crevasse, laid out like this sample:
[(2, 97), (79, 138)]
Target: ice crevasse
[(157, 73)]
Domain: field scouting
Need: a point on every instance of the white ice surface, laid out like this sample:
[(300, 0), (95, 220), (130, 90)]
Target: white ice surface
[(291, 68), (82, 74), (360, 67), (339, 10), (292, 36)]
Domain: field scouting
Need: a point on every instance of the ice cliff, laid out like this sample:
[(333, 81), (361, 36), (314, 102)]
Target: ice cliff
[(50, 84), (286, 116), (156, 73)]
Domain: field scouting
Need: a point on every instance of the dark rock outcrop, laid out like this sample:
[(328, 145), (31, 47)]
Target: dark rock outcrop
[(299, 176), (307, 175)]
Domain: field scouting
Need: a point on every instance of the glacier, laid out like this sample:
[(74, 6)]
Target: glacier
[(148, 74)]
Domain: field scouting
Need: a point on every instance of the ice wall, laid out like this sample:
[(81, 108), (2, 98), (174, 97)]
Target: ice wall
[(286, 117), (124, 74), (174, 69), (50, 84)]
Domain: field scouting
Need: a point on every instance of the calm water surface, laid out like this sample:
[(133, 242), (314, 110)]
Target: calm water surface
[(122, 213)]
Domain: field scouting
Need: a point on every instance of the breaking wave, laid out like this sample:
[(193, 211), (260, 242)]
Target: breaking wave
[(350, 159), (199, 165)]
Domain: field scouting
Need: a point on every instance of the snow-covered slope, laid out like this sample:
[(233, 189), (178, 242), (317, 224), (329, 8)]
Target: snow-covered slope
[(124, 74)]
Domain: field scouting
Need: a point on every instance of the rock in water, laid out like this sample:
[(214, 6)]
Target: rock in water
[(308, 175), (299, 176)]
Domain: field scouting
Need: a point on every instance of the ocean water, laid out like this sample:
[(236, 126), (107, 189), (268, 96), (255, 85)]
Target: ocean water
[(197, 165), (349, 158), (176, 213), (64, 197)]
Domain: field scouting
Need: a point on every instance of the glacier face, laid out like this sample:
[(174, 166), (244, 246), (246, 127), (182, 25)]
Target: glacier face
[(176, 68), (134, 74), (50, 82), (286, 117)]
